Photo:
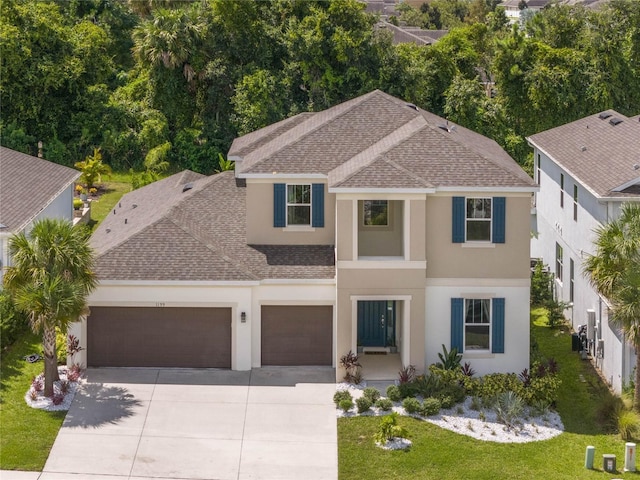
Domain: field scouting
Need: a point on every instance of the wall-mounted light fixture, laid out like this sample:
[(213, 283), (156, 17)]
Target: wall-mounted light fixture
[(243, 317)]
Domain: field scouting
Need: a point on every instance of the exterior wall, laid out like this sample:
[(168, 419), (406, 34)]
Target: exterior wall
[(478, 260), (404, 285), (247, 297), (438, 313), (554, 224), (382, 240), (260, 229), (344, 230)]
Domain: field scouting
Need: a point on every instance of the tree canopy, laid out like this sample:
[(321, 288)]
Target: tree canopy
[(174, 81)]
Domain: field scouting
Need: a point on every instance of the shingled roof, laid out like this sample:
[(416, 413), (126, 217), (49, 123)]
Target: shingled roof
[(602, 155), (27, 185), (193, 228), (362, 143)]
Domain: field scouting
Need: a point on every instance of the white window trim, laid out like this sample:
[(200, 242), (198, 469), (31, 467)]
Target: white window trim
[(466, 220), (560, 261), (482, 351), (296, 226)]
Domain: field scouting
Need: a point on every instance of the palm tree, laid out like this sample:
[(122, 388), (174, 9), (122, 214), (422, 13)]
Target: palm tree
[(614, 271), (92, 168), (50, 278)]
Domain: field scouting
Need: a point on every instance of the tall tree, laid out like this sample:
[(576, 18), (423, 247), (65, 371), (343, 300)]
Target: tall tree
[(614, 271), (50, 278)]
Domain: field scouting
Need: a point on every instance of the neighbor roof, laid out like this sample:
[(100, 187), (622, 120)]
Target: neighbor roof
[(358, 143), (603, 157), (190, 227), (27, 185)]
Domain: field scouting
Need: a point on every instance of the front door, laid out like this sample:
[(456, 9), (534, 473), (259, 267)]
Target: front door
[(376, 323)]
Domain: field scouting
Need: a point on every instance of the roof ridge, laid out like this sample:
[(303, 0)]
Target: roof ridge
[(368, 156), (407, 171), (319, 119)]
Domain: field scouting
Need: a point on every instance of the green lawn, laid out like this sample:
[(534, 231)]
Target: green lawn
[(441, 454), (115, 186), (26, 434)]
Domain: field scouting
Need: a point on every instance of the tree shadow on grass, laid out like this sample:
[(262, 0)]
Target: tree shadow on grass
[(96, 405)]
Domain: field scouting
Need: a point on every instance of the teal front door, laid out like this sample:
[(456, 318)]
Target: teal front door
[(376, 323)]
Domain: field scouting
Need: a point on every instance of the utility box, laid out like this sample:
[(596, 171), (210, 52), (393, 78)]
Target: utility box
[(609, 463), (575, 342), (630, 457)]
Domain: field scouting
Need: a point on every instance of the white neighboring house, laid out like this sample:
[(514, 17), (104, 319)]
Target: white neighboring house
[(585, 170), (31, 189)]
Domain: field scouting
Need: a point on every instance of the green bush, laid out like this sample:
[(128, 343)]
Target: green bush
[(389, 429), (409, 389), (372, 394), (77, 204), (363, 404), (509, 408), (494, 384), (341, 395), (384, 404), (393, 392), (346, 404), (12, 322), (430, 406), (541, 285), (411, 405), (430, 385), (628, 424)]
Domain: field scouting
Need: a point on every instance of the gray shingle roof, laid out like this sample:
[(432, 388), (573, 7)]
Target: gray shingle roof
[(345, 143), (196, 235), (27, 185), (598, 154)]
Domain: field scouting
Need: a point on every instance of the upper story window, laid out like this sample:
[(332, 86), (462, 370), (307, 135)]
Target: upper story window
[(478, 219), (559, 262), (562, 190), (375, 213), (298, 204), (575, 203), (538, 170)]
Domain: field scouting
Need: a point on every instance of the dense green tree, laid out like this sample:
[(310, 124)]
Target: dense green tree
[(614, 271), (50, 278)]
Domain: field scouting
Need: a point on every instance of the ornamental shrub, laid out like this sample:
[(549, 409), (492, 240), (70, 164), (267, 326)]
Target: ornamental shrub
[(346, 404), (384, 404), (371, 393), (363, 404), (411, 405), (430, 406), (341, 395), (393, 392)]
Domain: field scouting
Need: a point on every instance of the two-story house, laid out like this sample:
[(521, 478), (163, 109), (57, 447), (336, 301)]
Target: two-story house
[(31, 188), (585, 170), (372, 226)]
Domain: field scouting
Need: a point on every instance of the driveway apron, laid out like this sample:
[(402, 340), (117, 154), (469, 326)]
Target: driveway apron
[(140, 423)]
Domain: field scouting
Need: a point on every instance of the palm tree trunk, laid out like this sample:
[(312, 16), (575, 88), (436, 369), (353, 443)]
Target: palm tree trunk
[(50, 359), (636, 391)]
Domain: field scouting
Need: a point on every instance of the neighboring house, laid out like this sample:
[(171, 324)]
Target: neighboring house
[(31, 189), (512, 8), (417, 35), (585, 169), (370, 226)]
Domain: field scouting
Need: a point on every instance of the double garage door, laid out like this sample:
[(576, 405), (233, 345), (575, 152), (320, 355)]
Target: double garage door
[(201, 337), (159, 337)]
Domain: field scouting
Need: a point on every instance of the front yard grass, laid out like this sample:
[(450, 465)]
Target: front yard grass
[(26, 434), (115, 187), (440, 454)]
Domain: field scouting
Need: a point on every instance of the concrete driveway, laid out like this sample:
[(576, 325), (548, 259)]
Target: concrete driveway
[(270, 423)]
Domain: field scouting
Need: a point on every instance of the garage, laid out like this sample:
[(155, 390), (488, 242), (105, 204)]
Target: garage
[(159, 337), (297, 335)]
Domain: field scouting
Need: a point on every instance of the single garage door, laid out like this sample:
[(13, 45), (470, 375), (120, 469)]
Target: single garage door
[(297, 335), (159, 337)]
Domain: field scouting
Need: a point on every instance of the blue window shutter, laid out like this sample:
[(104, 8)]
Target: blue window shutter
[(499, 207), (279, 205), (497, 332), (317, 203), (457, 324), (458, 218)]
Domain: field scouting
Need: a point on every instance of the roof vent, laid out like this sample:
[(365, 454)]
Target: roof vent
[(604, 115), (584, 148), (447, 127), (411, 105), (615, 121), (135, 205), (2, 225), (636, 166), (187, 186), (108, 230)]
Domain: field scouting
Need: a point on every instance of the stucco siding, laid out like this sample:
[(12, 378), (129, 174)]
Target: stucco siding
[(478, 260), (260, 229), (344, 229)]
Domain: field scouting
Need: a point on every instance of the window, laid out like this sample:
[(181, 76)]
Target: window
[(298, 204), (571, 278), (478, 219), (559, 262), (575, 203), (477, 323), (538, 170), (561, 190), (375, 212)]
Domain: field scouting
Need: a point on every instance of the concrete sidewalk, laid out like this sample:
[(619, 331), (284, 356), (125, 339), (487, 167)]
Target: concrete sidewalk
[(270, 423)]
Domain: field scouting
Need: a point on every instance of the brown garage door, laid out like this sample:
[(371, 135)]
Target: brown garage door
[(297, 335), (159, 337)]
